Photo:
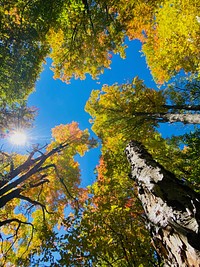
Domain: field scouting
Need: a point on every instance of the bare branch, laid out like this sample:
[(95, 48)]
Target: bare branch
[(11, 195), (33, 170), (40, 182), (30, 161), (35, 203), (8, 221)]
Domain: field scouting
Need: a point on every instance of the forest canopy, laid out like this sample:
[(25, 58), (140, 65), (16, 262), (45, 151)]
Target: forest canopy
[(46, 215)]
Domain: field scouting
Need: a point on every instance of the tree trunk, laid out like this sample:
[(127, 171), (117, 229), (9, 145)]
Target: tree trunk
[(172, 209), (188, 118), (184, 118), (183, 107)]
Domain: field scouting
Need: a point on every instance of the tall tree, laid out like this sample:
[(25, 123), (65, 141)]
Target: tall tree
[(112, 111), (108, 229), (172, 208), (133, 106)]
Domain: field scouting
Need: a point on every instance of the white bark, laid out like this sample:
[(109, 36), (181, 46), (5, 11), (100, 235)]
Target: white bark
[(172, 208), (184, 118)]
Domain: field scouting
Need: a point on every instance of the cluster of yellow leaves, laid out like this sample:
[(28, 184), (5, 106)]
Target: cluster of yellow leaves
[(74, 59), (174, 42), (122, 106), (137, 17), (13, 14), (83, 39)]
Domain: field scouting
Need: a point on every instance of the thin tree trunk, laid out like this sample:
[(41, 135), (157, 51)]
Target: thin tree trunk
[(172, 209), (170, 117), (184, 118), (183, 107)]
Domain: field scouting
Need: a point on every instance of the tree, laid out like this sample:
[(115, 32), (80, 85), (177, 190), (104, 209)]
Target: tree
[(23, 48), (173, 43), (133, 106), (172, 209), (112, 110), (108, 229), (15, 117), (35, 190), (83, 39), (134, 111)]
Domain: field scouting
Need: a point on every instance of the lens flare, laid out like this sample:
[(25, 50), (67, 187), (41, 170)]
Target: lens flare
[(18, 138)]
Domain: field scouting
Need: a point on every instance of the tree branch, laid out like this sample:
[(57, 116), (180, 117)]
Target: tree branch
[(8, 197), (8, 221), (33, 170), (26, 164), (35, 203)]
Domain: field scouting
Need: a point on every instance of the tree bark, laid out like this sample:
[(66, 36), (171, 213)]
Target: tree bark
[(184, 118), (183, 107), (172, 209), (188, 118)]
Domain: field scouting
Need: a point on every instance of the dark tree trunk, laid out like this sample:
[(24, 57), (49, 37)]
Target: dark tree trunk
[(182, 107), (13, 183), (172, 209)]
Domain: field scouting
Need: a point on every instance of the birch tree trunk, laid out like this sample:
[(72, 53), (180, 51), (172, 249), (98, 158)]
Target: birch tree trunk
[(188, 118), (184, 118), (172, 209)]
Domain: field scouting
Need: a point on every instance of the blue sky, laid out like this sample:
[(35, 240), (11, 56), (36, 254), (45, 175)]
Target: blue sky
[(60, 103)]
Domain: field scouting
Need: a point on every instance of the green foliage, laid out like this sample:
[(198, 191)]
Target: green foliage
[(129, 107), (189, 162), (184, 90), (23, 47)]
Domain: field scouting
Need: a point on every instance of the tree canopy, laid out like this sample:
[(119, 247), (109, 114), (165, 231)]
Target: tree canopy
[(81, 37), (45, 214)]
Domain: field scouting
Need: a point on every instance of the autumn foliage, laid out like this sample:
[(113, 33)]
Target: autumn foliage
[(46, 217)]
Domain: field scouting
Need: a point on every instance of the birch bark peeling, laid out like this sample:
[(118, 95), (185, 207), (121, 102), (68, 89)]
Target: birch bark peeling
[(172, 209)]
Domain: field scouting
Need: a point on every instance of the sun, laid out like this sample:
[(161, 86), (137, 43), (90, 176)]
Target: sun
[(18, 138)]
